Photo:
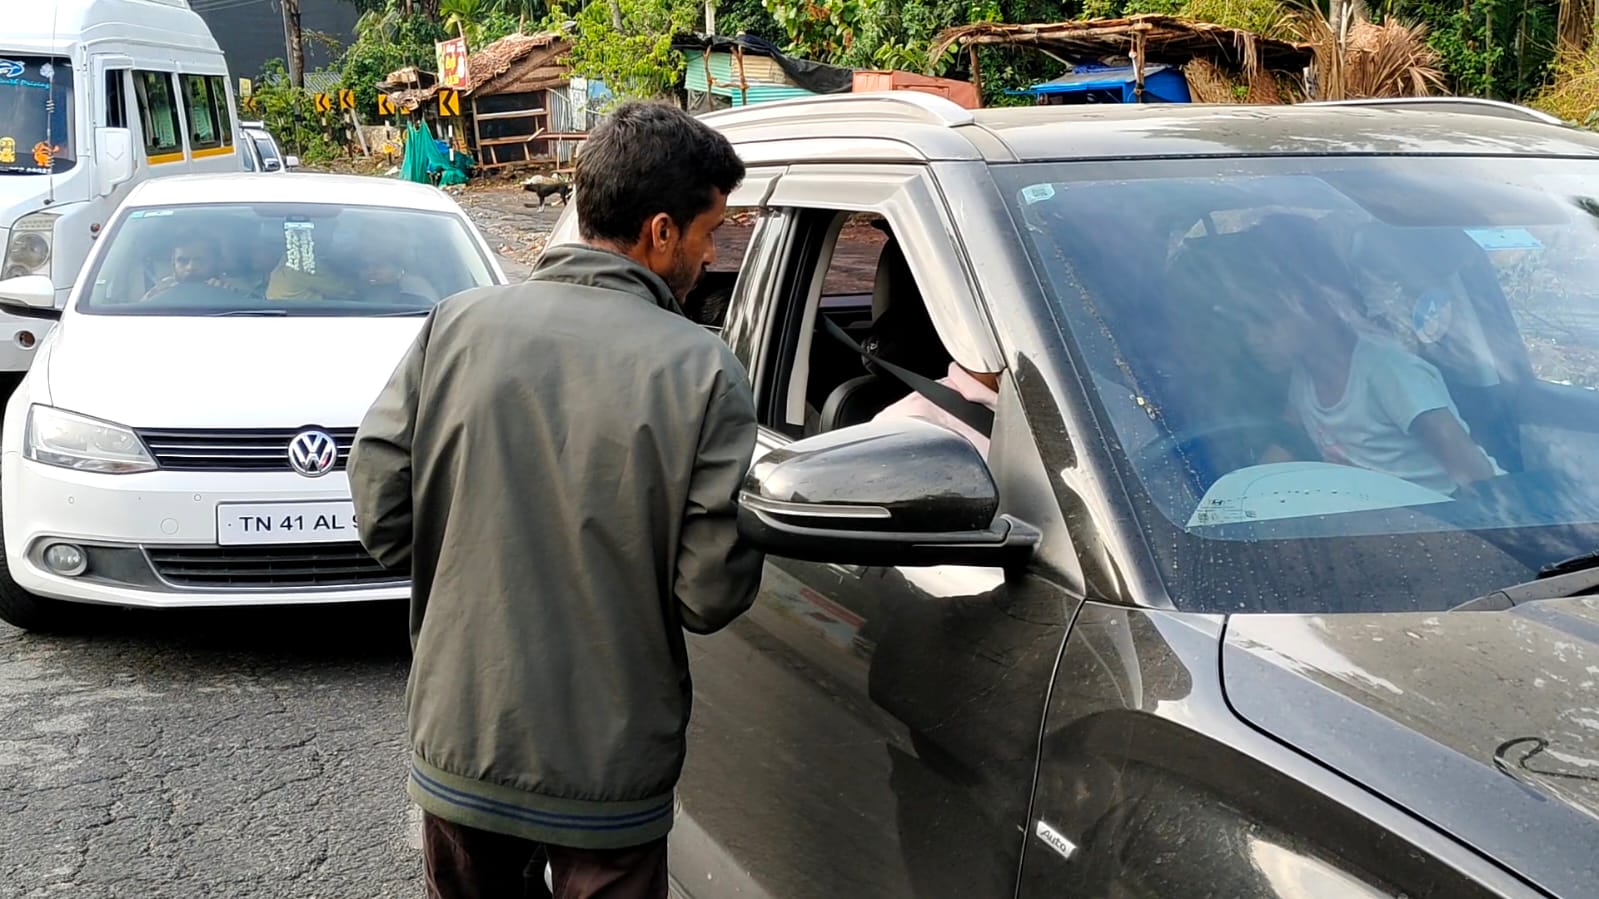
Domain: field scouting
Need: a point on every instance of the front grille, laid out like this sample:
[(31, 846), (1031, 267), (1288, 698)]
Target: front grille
[(234, 450), (256, 567)]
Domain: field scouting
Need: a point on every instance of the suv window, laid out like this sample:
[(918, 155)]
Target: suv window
[(1308, 364), (707, 302), (848, 269)]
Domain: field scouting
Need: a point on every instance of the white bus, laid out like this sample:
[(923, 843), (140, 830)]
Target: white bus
[(96, 96)]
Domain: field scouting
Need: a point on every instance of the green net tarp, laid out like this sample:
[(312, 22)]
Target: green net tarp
[(424, 159)]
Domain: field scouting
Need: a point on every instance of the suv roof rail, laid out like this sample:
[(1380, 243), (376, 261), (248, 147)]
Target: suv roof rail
[(903, 105), (1465, 104)]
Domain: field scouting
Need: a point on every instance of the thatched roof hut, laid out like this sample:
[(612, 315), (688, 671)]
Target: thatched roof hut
[(1141, 40)]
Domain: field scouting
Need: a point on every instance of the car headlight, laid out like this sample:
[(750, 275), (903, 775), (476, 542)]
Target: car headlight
[(68, 440), (32, 242)]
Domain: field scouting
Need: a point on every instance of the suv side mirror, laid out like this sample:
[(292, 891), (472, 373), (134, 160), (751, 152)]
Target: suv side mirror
[(33, 296), (113, 159), (291, 162), (884, 493)]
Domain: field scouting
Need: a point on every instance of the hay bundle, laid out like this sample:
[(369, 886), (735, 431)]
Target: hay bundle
[(1210, 83), (1207, 83)]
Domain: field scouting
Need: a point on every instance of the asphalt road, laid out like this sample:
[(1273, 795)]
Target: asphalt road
[(236, 753)]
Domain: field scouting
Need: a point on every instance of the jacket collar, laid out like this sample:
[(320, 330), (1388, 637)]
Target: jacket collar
[(589, 266)]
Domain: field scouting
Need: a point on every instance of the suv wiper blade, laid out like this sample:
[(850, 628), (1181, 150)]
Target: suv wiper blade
[(1575, 576), (1580, 562), (269, 313)]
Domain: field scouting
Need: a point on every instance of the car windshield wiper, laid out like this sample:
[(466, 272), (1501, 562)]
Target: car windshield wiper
[(265, 312), (1566, 578)]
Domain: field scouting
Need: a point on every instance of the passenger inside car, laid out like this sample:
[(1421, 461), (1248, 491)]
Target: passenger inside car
[(196, 260), (1363, 398)]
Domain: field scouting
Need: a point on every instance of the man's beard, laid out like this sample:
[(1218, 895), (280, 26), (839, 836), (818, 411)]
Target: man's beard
[(684, 278)]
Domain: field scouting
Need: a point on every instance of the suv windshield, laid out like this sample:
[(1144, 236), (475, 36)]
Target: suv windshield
[(1340, 384), (282, 259), (36, 106)]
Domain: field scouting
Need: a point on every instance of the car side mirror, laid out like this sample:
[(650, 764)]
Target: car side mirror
[(33, 296), (884, 493), (113, 159), (291, 162)]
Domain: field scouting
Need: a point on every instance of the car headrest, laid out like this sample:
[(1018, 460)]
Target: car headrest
[(893, 279)]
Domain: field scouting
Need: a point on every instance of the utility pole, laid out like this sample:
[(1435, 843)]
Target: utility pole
[(294, 40)]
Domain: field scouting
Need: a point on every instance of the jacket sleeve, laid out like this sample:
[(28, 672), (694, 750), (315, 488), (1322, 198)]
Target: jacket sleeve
[(380, 463), (717, 573)]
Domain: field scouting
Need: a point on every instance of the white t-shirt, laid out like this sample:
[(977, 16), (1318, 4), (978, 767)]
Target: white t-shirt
[(914, 405), (1369, 426)]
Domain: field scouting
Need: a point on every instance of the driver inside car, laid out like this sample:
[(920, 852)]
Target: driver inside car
[(1362, 398), (196, 259)]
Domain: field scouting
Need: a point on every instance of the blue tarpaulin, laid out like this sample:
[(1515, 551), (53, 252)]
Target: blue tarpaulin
[(1112, 84)]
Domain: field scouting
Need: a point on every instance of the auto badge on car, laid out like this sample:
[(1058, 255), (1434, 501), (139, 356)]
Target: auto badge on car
[(313, 453)]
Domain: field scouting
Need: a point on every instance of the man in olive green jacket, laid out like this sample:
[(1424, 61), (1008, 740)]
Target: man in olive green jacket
[(556, 464)]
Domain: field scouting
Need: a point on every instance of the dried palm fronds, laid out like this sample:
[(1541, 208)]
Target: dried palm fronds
[(1390, 59)]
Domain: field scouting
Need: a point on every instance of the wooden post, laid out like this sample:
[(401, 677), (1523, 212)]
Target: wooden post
[(1137, 66), (977, 73), (743, 82)]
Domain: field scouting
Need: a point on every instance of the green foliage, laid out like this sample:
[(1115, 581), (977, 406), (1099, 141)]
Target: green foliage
[(290, 115), (1492, 48), (386, 41), (823, 30), (735, 17), (637, 62)]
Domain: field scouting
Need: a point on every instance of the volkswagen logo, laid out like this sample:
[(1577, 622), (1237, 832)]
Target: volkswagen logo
[(313, 453)]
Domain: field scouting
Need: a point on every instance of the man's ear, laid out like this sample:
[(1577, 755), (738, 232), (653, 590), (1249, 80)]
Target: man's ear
[(659, 231)]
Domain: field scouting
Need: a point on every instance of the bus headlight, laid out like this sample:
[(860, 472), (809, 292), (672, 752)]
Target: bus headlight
[(32, 240)]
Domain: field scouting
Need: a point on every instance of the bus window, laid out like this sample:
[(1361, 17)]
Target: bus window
[(219, 100), (159, 115), (116, 98)]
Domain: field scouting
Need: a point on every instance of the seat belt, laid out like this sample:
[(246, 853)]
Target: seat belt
[(977, 416)]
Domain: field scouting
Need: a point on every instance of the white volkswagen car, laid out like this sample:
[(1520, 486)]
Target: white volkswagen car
[(181, 437)]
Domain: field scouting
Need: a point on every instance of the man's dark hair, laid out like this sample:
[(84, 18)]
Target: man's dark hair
[(645, 159), (193, 236)]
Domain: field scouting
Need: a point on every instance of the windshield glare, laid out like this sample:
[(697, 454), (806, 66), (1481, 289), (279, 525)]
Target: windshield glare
[(1340, 384), (283, 259), (36, 115)]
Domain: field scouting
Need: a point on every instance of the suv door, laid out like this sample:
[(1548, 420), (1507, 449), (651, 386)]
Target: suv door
[(866, 731)]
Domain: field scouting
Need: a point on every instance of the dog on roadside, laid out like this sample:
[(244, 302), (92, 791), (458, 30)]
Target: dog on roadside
[(545, 186)]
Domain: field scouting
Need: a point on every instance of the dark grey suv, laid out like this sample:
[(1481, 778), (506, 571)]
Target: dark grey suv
[(1274, 578)]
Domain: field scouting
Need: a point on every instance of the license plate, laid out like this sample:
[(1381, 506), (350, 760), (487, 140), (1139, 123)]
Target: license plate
[(267, 523)]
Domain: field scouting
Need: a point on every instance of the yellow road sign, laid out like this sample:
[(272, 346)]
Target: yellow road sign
[(324, 103), (384, 106), (449, 102), (346, 99), (251, 104)]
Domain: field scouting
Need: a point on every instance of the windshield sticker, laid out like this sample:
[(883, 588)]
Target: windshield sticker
[(8, 149), (1038, 193), (299, 246), (10, 68), (44, 153), (1504, 238)]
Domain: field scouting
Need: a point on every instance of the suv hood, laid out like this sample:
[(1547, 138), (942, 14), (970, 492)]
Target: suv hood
[(1485, 724), (238, 372)]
